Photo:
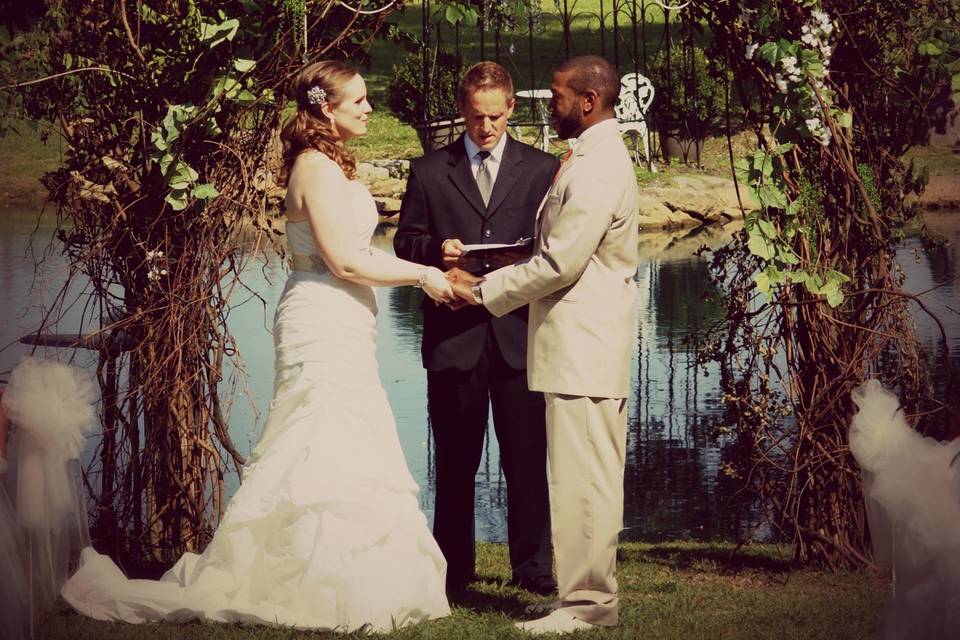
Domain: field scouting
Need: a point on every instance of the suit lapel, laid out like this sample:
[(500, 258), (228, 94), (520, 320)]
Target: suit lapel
[(507, 175), (463, 179)]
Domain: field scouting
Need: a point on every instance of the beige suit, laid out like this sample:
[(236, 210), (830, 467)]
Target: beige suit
[(579, 285)]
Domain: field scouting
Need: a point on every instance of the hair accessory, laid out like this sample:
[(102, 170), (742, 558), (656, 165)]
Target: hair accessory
[(317, 96)]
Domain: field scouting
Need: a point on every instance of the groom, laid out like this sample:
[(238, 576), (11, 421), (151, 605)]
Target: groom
[(580, 288), (483, 188)]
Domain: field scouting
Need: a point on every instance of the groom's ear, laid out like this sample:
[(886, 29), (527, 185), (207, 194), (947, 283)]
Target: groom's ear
[(589, 101)]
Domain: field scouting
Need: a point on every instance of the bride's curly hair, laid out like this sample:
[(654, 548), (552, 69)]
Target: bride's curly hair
[(308, 128)]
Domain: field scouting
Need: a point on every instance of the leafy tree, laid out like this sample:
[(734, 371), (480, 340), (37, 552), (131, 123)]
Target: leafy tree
[(841, 90)]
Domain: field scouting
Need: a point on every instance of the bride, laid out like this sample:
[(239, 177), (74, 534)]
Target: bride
[(325, 531)]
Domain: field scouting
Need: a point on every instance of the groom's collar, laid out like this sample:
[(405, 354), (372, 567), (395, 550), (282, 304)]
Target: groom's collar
[(599, 129)]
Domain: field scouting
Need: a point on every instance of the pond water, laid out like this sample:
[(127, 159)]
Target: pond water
[(674, 486)]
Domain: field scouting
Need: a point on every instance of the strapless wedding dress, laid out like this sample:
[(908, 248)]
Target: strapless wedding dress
[(325, 531)]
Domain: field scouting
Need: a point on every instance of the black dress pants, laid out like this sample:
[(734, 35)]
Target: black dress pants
[(458, 403)]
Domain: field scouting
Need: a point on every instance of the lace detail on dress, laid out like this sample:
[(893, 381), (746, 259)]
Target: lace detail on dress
[(311, 262)]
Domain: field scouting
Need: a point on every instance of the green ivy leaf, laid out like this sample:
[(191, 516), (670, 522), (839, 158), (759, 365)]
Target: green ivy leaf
[(226, 85), (762, 282), (836, 276), (775, 275), (931, 48), (245, 97), (771, 196), (183, 176), (787, 256), (214, 34), (769, 52), (741, 169), (767, 228), (177, 199), (212, 127), (205, 191), (833, 293), (763, 163), (798, 276), (243, 65), (759, 246), (783, 148), (845, 119)]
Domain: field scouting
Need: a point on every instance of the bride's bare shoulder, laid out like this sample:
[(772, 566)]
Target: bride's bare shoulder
[(312, 172), (312, 160)]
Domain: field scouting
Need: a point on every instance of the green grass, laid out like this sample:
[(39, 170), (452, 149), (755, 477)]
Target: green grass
[(671, 591), (939, 161), (24, 158)]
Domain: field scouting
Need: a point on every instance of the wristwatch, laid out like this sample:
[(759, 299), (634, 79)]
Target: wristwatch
[(477, 294)]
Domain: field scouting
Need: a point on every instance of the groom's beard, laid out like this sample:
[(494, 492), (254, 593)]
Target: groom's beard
[(570, 123)]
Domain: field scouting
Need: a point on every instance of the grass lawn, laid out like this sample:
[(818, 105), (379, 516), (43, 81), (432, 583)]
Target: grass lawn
[(23, 159), (674, 591), (939, 161)]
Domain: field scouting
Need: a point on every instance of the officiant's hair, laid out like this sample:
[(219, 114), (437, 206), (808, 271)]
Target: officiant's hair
[(308, 128), (484, 75), (593, 72)]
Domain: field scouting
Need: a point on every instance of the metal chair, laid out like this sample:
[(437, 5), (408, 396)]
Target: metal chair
[(636, 95)]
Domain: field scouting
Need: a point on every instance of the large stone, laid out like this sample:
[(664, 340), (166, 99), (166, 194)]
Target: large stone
[(368, 173), (678, 244), (387, 206), (655, 215), (693, 200), (388, 188), (398, 168)]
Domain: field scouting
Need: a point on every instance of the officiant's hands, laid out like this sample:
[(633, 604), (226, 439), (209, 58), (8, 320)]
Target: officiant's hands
[(461, 283), (453, 256)]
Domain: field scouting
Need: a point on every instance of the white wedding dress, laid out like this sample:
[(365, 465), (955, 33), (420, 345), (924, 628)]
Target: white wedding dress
[(325, 531)]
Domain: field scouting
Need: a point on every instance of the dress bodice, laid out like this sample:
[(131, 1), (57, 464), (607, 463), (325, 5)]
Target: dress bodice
[(363, 212)]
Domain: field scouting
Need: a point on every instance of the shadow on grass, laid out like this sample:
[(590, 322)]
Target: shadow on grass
[(490, 594), (726, 559)]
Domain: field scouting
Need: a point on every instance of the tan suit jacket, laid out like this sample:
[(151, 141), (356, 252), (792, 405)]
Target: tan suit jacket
[(579, 282)]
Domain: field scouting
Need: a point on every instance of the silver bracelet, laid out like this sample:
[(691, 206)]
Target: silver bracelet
[(421, 279)]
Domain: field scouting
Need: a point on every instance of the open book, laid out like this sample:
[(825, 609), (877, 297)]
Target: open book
[(487, 249)]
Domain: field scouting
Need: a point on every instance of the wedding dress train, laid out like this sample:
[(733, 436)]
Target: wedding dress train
[(325, 531)]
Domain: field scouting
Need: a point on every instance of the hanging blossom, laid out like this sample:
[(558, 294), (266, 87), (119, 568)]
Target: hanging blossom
[(815, 35), (155, 265)]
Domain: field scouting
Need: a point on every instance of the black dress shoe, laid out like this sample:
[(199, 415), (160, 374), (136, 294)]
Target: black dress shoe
[(457, 586), (543, 585)]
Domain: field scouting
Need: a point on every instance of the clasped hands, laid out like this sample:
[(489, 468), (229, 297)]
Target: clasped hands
[(453, 288)]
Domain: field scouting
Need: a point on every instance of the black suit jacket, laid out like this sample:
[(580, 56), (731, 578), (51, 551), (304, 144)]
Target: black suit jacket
[(442, 201)]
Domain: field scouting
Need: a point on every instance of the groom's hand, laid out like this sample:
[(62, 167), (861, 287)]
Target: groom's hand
[(464, 293), (457, 274), (462, 283)]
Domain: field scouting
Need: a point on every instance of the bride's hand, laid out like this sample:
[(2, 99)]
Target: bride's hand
[(436, 286)]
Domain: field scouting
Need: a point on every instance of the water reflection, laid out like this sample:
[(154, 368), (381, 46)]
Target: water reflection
[(674, 484)]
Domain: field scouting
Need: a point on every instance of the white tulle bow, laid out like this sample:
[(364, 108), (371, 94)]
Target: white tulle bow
[(51, 407), (53, 403)]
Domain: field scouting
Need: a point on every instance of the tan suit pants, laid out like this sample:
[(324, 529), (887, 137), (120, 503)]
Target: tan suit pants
[(586, 449)]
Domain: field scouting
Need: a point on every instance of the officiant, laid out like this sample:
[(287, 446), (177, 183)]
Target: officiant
[(484, 188)]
